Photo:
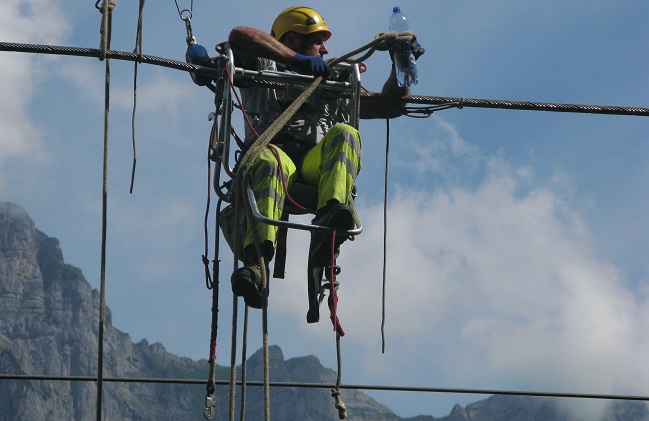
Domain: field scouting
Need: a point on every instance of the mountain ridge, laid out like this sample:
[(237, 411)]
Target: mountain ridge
[(41, 297)]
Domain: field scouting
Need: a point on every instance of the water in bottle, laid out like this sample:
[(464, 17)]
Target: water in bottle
[(404, 61)]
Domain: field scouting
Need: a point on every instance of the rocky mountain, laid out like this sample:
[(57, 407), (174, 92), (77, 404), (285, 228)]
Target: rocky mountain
[(527, 408), (48, 328)]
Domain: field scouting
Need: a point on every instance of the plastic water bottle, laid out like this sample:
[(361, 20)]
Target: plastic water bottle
[(404, 61)]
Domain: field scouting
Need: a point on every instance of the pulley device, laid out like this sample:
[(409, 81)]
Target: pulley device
[(196, 53)]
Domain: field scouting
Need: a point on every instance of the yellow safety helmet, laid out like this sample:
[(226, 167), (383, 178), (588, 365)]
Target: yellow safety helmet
[(300, 19)]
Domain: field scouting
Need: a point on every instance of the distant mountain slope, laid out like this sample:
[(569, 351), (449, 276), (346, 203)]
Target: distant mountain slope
[(528, 408), (48, 326)]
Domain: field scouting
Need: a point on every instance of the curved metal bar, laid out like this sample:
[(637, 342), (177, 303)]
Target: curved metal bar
[(250, 197)]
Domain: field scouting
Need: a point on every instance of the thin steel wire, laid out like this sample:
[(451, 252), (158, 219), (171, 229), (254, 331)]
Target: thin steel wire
[(307, 385)]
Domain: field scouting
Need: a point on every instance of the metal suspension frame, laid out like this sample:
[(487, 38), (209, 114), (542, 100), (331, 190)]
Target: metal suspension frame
[(223, 147)]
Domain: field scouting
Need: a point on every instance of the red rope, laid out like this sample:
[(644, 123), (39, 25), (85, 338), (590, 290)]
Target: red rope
[(213, 349), (332, 289)]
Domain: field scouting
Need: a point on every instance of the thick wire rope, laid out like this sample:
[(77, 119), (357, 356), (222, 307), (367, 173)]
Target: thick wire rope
[(244, 365), (233, 356), (106, 23), (264, 317), (385, 232), (412, 99)]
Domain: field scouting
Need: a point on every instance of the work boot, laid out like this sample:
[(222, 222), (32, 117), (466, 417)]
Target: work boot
[(341, 217), (247, 281)]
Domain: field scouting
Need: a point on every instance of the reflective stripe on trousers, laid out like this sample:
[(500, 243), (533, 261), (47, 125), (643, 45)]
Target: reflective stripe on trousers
[(332, 165)]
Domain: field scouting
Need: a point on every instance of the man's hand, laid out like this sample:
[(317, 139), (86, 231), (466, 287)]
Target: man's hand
[(310, 65), (416, 48)]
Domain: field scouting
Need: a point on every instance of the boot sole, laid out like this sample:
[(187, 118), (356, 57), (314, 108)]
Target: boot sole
[(244, 286)]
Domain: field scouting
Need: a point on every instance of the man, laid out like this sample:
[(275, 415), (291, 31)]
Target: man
[(316, 146)]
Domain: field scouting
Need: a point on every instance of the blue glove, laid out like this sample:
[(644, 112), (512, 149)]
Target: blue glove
[(310, 65)]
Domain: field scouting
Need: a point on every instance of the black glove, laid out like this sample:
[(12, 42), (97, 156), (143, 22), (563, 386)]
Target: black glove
[(310, 65), (416, 48)]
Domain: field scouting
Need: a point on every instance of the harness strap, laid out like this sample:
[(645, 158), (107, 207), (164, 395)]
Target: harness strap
[(280, 250)]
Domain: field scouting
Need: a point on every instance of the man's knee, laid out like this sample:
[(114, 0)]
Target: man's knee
[(342, 133), (345, 128)]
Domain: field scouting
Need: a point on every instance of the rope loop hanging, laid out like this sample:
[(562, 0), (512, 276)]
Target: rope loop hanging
[(106, 10), (335, 392)]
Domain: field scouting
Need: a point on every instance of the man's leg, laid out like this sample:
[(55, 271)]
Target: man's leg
[(333, 165), (266, 181)]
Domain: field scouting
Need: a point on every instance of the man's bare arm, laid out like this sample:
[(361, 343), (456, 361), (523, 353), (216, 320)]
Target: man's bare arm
[(388, 106), (261, 44)]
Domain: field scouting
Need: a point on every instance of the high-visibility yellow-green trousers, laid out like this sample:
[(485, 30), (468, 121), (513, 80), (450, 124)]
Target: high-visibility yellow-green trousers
[(332, 165)]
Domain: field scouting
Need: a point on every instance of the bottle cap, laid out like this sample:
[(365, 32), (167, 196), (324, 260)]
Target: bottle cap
[(396, 9)]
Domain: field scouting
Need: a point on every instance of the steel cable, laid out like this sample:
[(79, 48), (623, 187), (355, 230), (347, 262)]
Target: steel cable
[(411, 99), (308, 385)]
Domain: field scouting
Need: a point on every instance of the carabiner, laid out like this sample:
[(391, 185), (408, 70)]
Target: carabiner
[(210, 407), (190, 35), (362, 67), (185, 14)]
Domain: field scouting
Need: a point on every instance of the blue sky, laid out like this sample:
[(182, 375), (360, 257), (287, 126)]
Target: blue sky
[(517, 239)]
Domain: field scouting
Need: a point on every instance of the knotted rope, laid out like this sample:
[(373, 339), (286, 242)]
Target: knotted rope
[(106, 11)]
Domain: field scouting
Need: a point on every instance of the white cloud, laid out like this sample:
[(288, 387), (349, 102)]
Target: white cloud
[(87, 76), (165, 231), (155, 93), (158, 93), (19, 137), (33, 21), (20, 73), (495, 286)]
